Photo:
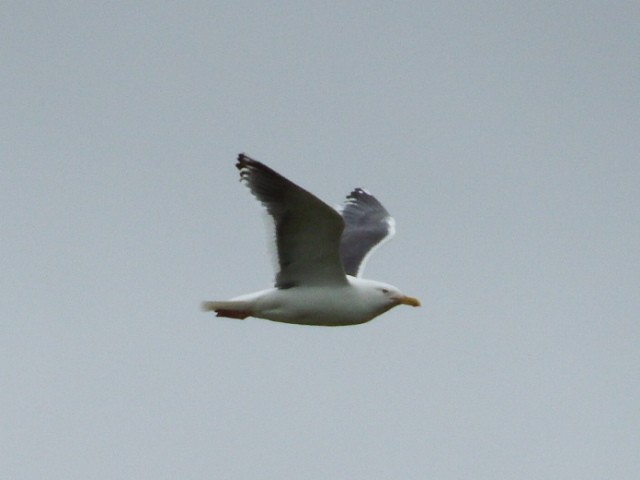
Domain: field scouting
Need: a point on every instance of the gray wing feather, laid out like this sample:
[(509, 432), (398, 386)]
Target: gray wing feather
[(308, 230), (367, 225)]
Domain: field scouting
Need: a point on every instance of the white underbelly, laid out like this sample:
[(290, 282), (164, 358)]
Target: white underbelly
[(327, 306)]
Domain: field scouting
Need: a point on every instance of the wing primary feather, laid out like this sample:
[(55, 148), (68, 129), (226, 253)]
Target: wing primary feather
[(307, 230), (368, 224)]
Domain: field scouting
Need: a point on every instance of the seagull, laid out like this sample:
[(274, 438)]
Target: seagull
[(321, 253)]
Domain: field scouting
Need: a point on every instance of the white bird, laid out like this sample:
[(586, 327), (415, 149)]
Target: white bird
[(321, 253)]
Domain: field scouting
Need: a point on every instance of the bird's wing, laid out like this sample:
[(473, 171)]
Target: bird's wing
[(367, 225), (307, 230)]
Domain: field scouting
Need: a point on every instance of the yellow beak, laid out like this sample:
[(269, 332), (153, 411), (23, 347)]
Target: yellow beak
[(414, 302)]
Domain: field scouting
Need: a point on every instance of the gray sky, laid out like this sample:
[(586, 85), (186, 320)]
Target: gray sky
[(503, 136)]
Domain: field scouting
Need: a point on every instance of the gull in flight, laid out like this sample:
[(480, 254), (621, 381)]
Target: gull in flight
[(321, 254)]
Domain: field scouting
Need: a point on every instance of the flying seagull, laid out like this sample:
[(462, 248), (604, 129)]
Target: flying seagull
[(321, 254)]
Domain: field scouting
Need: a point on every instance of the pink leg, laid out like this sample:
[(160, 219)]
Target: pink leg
[(239, 314)]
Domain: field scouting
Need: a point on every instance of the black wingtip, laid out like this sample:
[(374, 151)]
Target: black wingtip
[(363, 197), (246, 165), (359, 192), (244, 161)]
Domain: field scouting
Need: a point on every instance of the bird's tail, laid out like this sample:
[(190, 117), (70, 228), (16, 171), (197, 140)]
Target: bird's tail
[(231, 309)]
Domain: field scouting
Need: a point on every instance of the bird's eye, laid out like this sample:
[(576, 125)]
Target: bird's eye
[(385, 291)]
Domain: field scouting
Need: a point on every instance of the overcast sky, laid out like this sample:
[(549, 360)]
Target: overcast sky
[(504, 138)]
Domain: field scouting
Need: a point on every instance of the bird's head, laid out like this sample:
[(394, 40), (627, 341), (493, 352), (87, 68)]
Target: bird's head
[(385, 296), (396, 297)]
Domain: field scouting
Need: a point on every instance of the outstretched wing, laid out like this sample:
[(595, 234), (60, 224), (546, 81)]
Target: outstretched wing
[(367, 225), (308, 230)]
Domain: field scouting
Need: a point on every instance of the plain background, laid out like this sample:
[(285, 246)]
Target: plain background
[(504, 138)]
